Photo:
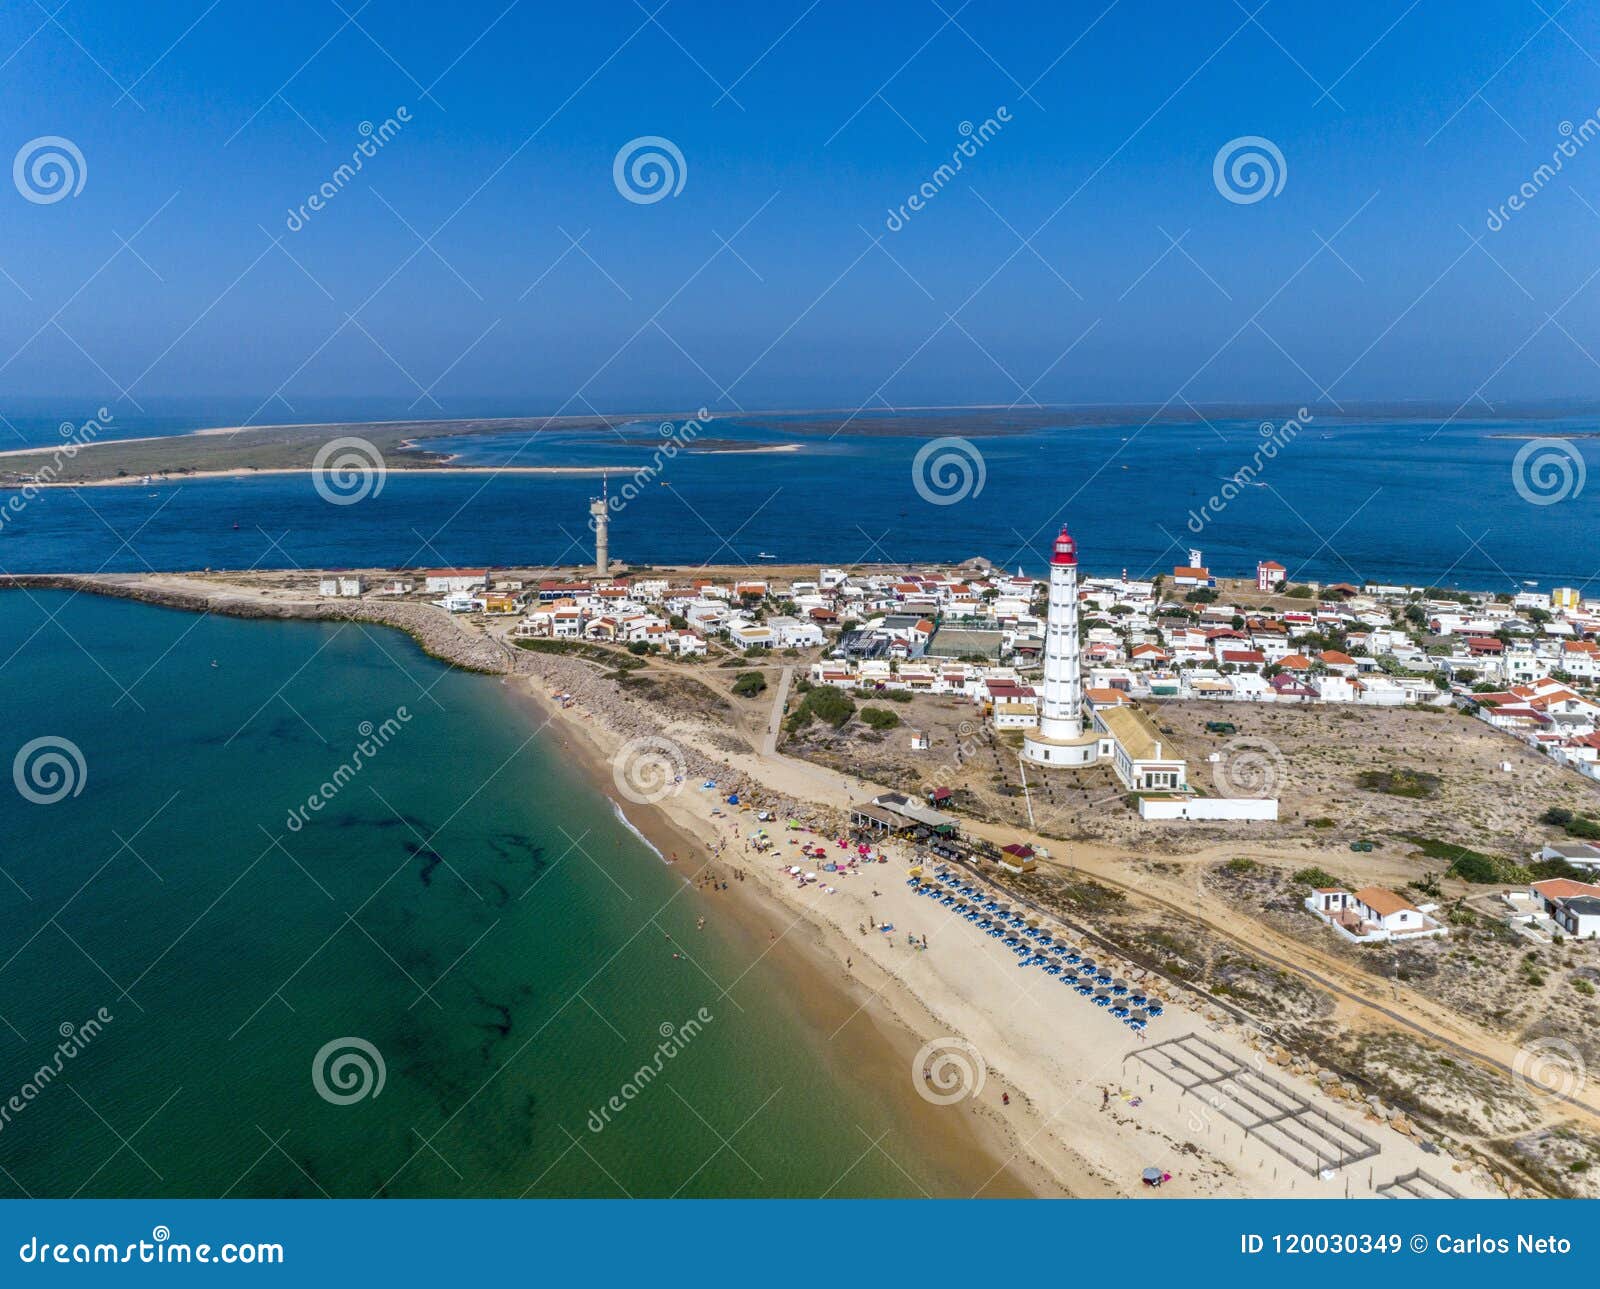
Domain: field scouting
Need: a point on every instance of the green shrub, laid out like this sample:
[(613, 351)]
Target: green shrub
[(1399, 783), (749, 684), (1470, 865), (1316, 877), (826, 704), (880, 718)]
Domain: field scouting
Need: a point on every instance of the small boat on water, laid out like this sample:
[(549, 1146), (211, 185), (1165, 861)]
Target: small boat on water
[(765, 555)]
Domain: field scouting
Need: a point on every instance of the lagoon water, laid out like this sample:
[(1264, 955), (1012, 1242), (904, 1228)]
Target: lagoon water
[(1412, 501), (466, 903)]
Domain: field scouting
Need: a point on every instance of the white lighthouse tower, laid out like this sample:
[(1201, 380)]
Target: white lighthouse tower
[(1060, 739)]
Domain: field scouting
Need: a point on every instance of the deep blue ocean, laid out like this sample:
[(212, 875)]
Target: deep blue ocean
[(1412, 501)]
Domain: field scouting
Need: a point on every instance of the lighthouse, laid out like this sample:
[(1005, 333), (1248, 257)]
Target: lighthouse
[(1060, 739)]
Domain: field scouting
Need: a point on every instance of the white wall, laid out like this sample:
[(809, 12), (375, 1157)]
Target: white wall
[(1209, 808)]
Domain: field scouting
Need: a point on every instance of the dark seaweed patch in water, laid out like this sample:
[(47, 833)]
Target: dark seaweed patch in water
[(501, 1024), (499, 896), (354, 820), (431, 859), (263, 735), (519, 848)]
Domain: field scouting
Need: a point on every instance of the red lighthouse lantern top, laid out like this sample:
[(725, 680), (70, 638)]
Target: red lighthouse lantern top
[(1066, 550)]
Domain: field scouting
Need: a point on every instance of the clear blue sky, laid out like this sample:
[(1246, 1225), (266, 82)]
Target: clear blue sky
[(802, 125)]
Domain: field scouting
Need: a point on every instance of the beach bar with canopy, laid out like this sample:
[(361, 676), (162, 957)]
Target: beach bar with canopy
[(897, 813)]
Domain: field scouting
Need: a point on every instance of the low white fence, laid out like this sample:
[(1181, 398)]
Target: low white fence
[(1208, 808)]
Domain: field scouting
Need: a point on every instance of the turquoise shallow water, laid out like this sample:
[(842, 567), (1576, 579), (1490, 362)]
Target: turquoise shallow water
[(466, 904)]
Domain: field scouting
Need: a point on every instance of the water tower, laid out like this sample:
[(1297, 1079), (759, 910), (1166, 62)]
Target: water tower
[(599, 517)]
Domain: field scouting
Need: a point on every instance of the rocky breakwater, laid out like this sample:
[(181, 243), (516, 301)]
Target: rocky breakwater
[(438, 633)]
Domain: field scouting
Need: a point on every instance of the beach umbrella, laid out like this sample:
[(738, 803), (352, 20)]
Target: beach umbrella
[(1152, 1176)]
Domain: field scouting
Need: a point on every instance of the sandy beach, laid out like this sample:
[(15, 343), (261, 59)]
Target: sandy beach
[(136, 481), (1084, 1119), (865, 1038)]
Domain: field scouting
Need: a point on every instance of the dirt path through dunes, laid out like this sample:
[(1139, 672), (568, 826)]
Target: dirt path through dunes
[(769, 744), (1377, 1000)]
